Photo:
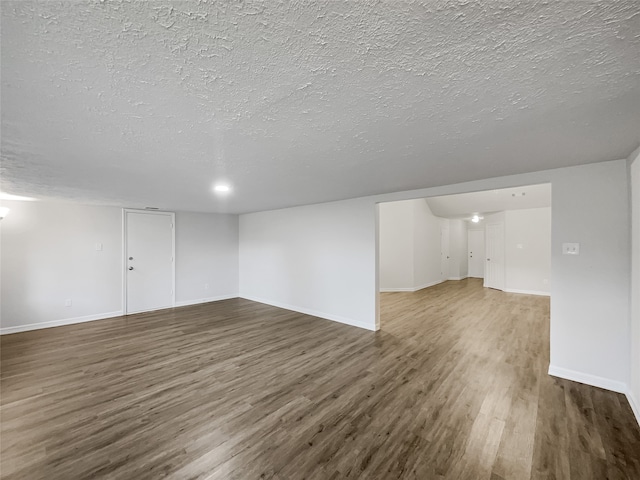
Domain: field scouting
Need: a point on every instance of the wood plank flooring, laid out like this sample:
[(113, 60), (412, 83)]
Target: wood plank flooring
[(454, 386)]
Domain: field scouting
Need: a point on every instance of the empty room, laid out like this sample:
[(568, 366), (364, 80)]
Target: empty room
[(320, 240)]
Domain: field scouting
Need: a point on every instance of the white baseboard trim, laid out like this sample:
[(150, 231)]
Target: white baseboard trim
[(527, 292), (588, 379), (100, 316), (314, 313), (411, 289), (427, 285), (59, 323), (635, 405), (184, 303), (456, 278)]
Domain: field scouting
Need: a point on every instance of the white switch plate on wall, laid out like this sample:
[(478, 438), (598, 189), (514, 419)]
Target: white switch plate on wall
[(571, 249)]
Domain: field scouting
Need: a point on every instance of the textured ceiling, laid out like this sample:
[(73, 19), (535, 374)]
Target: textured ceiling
[(149, 103), (490, 201)]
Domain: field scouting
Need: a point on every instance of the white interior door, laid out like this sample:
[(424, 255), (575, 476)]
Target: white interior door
[(444, 252), (476, 253), (149, 260), (494, 264)]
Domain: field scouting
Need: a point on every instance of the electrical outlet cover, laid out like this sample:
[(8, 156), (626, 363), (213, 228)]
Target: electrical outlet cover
[(571, 249)]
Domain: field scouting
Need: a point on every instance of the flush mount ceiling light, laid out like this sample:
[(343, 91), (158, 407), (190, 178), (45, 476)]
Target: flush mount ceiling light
[(221, 188), (476, 218)]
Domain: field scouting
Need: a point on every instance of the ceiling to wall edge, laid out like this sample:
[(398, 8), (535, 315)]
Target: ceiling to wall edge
[(472, 201)]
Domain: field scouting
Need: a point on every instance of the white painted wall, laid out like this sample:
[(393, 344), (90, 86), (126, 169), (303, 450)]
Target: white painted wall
[(458, 263), (206, 255), (48, 256), (322, 258), (397, 239), (528, 251), (590, 292), (427, 246), (316, 259), (409, 237), (497, 217), (634, 384)]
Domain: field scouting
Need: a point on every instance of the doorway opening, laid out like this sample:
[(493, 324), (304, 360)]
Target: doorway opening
[(499, 239)]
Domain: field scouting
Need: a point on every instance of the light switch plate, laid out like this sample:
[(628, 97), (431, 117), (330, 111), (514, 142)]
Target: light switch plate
[(571, 249)]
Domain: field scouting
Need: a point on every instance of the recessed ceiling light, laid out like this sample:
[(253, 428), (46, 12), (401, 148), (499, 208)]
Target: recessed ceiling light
[(221, 188)]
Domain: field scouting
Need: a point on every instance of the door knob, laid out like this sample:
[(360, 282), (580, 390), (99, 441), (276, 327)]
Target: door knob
[(130, 268), (130, 258)]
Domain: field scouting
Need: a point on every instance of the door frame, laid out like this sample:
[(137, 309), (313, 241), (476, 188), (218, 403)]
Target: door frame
[(125, 254), (445, 247)]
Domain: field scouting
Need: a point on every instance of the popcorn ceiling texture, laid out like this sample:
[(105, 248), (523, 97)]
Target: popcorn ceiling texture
[(148, 103)]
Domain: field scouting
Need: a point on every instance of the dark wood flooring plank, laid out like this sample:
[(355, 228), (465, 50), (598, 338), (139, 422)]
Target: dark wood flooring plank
[(454, 386)]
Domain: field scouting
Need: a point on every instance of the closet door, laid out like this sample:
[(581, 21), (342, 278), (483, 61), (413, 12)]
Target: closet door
[(476, 253), (149, 260), (494, 263)]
